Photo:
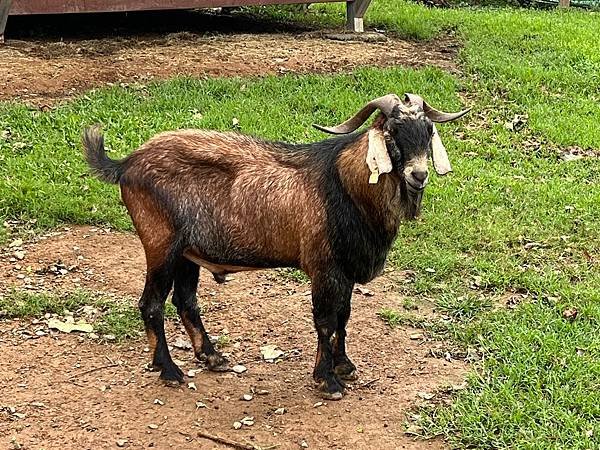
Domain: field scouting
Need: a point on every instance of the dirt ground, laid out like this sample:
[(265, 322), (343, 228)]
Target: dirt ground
[(43, 70), (80, 392)]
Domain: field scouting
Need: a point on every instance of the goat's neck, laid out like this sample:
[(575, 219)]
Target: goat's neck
[(381, 203)]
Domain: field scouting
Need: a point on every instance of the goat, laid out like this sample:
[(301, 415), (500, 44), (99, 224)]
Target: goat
[(229, 202)]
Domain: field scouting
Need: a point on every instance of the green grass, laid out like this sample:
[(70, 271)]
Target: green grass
[(513, 217), (45, 178), (294, 275), (120, 318)]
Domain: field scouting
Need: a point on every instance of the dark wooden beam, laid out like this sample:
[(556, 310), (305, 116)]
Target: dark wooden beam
[(22, 7)]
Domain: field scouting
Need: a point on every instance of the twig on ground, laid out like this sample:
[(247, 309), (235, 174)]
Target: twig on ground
[(85, 372), (368, 383), (232, 444)]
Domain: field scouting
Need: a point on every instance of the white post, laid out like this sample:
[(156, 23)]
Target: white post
[(355, 10)]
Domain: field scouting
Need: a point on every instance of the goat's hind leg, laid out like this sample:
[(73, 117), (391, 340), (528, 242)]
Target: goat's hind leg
[(152, 303), (184, 299)]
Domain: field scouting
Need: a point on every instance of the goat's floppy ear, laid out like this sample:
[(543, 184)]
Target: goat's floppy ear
[(378, 158), (441, 163)]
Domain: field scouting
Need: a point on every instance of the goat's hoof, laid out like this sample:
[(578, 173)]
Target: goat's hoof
[(172, 376), (216, 363), (346, 372), (332, 389), (332, 395), (171, 383)]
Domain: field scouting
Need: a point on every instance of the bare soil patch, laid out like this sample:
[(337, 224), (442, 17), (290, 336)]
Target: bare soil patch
[(77, 392), (42, 70)]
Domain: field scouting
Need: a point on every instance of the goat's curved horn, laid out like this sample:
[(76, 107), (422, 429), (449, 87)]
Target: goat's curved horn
[(433, 114), (385, 104)]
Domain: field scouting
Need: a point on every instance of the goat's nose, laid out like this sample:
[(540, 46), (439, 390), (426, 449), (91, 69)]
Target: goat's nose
[(420, 175)]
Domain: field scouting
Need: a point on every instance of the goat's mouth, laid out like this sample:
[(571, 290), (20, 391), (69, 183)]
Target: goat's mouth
[(414, 197), (413, 188)]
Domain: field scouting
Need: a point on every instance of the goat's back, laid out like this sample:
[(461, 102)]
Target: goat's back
[(233, 198)]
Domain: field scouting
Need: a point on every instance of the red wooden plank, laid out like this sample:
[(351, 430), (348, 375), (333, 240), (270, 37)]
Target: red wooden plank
[(22, 7)]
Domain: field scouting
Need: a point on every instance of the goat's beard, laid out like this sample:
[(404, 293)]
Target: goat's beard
[(413, 203)]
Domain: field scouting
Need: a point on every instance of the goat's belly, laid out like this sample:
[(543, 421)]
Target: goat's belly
[(215, 268)]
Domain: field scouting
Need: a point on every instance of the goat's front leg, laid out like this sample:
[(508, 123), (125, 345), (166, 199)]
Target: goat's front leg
[(328, 295), (342, 366)]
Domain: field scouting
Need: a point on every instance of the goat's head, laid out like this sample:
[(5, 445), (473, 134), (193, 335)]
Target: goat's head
[(402, 141)]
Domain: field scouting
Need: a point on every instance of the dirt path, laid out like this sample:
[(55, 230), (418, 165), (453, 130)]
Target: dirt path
[(42, 71), (59, 405)]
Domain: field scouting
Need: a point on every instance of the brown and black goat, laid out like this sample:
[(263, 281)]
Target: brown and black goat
[(228, 202)]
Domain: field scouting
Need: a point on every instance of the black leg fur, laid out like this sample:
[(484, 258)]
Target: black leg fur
[(328, 294), (152, 303), (184, 299), (343, 367)]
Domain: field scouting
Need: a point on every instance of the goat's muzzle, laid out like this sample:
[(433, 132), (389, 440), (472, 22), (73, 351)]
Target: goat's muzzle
[(415, 180)]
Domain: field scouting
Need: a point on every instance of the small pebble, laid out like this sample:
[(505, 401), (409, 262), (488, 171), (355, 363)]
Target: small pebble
[(247, 397), (192, 372), (239, 368)]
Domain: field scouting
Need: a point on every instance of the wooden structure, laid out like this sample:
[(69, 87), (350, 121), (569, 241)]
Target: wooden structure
[(355, 8)]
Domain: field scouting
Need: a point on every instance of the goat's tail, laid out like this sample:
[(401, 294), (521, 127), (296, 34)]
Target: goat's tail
[(106, 169)]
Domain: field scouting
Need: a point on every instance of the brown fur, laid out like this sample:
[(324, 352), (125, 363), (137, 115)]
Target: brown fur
[(238, 178), (195, 334), (151, 222), (152, 340)]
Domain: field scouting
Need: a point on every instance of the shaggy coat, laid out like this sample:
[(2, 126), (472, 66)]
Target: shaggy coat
[(230, 202)]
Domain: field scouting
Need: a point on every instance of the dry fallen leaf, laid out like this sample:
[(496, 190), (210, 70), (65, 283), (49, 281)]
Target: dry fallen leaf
[(182, 344), (69, 327), (364, 291), (270, 352), (517, 123), (570, 314), (16, 243), (426, 395), (248, 421)]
